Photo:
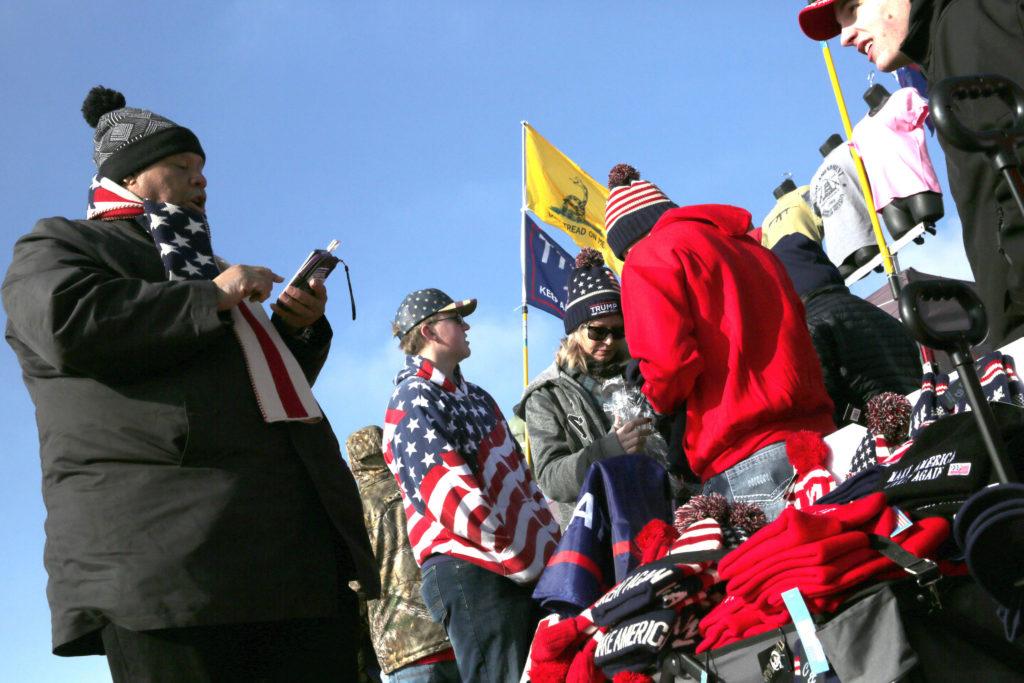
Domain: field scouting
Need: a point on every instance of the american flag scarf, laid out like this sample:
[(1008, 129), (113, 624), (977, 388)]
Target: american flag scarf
[(183, 239)]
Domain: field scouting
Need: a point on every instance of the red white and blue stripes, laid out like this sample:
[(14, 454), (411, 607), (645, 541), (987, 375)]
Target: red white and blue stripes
[(466, 488)]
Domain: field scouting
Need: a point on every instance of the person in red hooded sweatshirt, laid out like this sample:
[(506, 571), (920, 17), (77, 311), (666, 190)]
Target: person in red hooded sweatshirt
[(719, 332)]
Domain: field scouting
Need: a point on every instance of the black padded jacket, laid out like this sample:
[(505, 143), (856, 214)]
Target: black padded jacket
[(863, 350)]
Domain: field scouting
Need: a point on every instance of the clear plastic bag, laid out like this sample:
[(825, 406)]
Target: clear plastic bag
[(628, 403)]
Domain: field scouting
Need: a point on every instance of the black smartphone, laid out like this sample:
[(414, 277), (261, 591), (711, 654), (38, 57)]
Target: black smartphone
[(319, 264)]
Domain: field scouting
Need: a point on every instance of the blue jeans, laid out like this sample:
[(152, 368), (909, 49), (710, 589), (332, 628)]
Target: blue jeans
[(438, 672), (761, 479), (490, 619)]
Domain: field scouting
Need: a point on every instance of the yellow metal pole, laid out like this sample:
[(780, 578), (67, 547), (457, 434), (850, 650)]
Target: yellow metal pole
[(526, 354), (522, 263), (862, 176), (526, 381)]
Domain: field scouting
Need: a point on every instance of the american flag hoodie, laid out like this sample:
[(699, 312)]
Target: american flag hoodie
[(465, 485)]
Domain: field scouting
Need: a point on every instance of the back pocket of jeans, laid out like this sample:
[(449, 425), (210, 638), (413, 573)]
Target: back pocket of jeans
[(762, 484)]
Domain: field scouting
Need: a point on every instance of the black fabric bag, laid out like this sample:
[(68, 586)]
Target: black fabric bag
[(964, 639), (950, 623)]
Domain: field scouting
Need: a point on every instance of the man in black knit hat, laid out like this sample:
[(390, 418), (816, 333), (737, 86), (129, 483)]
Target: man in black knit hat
[(201, 524)]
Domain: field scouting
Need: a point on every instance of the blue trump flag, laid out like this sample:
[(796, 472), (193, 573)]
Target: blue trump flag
[(547, 271), (618, 498)]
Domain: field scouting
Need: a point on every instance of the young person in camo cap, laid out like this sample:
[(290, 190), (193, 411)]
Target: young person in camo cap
[(479, 527), (189, 536), (580, 410), (713, 320)]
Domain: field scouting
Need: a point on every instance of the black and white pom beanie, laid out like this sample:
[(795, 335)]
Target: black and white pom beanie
[(593, 290), (633, 207), (128, 140)]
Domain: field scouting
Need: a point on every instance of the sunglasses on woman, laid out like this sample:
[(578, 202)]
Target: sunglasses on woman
[(598, 333)]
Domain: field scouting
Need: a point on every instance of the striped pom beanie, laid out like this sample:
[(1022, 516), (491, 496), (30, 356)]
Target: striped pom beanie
[(633, 207), (593, 291)]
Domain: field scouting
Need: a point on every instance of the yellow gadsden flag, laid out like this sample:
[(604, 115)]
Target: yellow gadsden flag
[(563, 195)]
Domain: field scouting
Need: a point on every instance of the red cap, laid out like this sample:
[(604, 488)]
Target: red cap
[(818, 20)]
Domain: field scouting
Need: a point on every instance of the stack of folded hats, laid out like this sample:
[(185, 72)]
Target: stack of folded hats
[(990, 530), (948, 462), (823, 550), (657, 605)]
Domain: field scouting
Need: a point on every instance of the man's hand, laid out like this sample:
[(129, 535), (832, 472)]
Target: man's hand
[(298, 308), (244, 282)]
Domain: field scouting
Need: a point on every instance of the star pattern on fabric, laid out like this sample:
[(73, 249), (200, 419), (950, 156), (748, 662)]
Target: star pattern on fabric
[(439, 421), (419, 305), (183, 239), (194, 226), (591, 280)]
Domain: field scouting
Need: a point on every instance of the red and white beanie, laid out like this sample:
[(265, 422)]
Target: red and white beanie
[(633, 207)]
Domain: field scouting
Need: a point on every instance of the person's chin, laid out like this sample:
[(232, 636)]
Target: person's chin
[(891, 61)]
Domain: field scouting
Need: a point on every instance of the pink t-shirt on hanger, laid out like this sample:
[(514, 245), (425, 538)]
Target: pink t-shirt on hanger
[(892, 144)]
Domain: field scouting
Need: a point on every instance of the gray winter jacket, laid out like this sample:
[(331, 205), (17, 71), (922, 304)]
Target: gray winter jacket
[(568, 432)]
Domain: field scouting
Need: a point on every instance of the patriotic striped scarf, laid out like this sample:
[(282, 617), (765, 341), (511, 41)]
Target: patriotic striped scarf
[(183, 239)]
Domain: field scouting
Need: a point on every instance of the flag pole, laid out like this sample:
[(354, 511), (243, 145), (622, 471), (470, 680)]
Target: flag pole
[(862, 176), (522, 268)]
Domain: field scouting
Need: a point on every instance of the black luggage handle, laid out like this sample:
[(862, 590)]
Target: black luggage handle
[(1001, 143), (958, 344), (950, 341)]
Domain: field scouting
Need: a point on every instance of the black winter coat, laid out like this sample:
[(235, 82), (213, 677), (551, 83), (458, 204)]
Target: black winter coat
[(965, 38), (863, 350), (170, 502)]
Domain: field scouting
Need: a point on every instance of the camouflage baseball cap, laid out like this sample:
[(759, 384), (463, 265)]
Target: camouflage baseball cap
[(364, 443), (423, 303)]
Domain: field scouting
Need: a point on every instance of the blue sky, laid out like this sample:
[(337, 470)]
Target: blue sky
[(394, 128)]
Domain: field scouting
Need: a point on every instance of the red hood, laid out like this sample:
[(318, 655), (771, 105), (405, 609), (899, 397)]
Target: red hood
[(732, 220)]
